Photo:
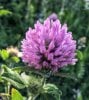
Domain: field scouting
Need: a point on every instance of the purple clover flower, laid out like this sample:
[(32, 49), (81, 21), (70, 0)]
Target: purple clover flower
[(53, 17), (48, 45)]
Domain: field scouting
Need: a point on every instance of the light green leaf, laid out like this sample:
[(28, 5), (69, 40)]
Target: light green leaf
[(4, 54), (26, 78), (15, 95), (4, 12), (15, 59), (80, 55)]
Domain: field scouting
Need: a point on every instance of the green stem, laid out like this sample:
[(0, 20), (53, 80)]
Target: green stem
[(64, 75), (27, 92), (7, 90), (31, 97)]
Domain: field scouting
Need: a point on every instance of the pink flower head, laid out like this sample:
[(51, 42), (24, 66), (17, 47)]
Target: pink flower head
[(48, 45)]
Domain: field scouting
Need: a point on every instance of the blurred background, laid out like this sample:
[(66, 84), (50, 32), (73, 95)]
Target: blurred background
[(17, 15)]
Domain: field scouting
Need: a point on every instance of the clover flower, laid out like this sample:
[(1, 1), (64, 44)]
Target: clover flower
[(53, 17), (48, 45)]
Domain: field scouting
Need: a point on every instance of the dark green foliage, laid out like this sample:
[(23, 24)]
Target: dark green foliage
[(17, 15)]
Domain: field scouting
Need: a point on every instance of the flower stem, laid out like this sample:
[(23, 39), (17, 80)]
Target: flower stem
[(7, 89)]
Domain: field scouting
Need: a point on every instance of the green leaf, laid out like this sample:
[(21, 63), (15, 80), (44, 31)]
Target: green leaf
[(26, 78), (4, 54), (4, 12), (14, 83), (0, 78), (19, 69), (52, 90), (80, 70), (13, 77), (80, 55), (15, 95), (15, 59)]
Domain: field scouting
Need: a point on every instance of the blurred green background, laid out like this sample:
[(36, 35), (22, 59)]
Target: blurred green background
[(17, 15)]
